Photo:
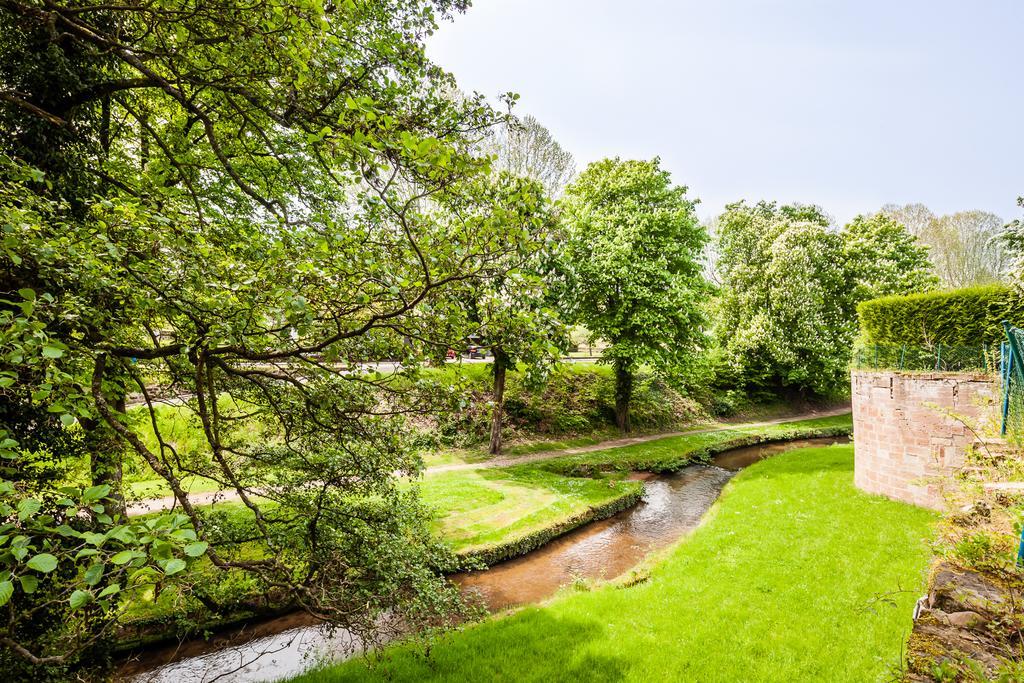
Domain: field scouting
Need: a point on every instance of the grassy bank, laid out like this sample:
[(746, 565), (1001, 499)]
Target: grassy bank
[(494, 514), (797, 576), (479, 510), (671, 453)]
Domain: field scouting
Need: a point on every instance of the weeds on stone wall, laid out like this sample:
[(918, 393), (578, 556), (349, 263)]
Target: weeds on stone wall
[(972, 626)]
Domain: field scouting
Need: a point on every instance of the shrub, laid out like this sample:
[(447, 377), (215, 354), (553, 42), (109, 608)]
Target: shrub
[(575, 399), (961, 317)]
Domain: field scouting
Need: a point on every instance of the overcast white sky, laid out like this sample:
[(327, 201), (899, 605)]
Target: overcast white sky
[(848, 104)]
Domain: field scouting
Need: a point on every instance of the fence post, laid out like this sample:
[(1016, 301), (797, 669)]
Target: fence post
[(903, 353), (874, 363), (938, 356), (1006, 396)]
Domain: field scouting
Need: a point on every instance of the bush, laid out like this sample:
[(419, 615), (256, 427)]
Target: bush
[(962, 317), (576, 399)]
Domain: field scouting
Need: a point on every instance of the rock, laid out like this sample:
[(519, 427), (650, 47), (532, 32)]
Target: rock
[(933, 640), (966, 619), (956, 590)]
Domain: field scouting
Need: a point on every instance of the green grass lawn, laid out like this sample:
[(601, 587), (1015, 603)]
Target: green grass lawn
[(796, 576), (480, 508), (676, 451)]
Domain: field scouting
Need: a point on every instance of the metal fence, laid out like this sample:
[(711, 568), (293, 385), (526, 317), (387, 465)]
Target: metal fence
[(936, 358), (1012, 375)]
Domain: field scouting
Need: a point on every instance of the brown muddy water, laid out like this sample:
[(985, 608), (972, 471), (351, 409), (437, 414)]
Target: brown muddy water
[(285, 646)]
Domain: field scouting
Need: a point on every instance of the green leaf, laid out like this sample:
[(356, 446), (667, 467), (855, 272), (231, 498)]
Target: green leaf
[(196, 549), (123, 534), (125, 556), (80, 598), (68, 532), (29, 583), (110, 590), (95, 493), (6, 591), (27, 294), (44, 563), (51, 351), (27, 508), (174, 566), (94, 574), (67, 420)]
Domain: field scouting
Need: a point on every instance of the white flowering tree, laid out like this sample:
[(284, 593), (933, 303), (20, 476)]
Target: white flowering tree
[(790, 286), (632, 264)]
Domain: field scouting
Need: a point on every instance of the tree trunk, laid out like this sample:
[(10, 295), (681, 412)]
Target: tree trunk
[(500, 367), (623, 395), (106, 454)]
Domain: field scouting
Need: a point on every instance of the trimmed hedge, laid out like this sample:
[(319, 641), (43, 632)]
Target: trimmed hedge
[(961, 317)]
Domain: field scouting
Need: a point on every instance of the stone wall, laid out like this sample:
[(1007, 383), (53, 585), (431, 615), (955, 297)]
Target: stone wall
[(904, 438)]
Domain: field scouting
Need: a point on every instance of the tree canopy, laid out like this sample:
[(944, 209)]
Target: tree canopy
[(966, 248), (244, 206), (786, 314), (631, 259)]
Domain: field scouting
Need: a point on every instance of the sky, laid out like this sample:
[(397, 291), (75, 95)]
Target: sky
[(846, 104)]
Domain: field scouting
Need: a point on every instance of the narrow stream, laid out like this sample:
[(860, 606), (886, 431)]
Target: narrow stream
[(286, 646)]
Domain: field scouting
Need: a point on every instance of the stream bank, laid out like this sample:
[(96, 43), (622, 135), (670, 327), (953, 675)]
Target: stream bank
[(672, 506)]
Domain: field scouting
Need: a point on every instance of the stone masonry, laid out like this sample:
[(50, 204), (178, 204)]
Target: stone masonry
[(906, 439)]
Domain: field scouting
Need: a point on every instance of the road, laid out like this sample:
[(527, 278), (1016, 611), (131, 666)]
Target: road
[(384, 367)]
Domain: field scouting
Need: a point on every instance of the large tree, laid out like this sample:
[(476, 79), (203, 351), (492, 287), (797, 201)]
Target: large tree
[(632, 260), (525, 147), (519, 322), (966, 248), (1013, 240), (885, 258), (243, 204), (790, 285)]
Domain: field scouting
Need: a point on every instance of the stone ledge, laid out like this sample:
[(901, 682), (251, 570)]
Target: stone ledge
[(966, 615)]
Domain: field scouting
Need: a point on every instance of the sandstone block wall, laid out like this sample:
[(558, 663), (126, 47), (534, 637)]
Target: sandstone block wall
[(905, 440)]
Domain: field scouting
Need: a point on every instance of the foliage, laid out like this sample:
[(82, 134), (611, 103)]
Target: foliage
[(790, 285), (964, 317), (884, 258), (783, 590), (1013, 240), (966, 248), (69, 568), (573, 399), (631, 268), (509, 303), (525, 148), (785, 318), (252, 202)]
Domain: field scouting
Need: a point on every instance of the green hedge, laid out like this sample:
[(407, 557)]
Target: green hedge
[(962, 317), (516, 547)]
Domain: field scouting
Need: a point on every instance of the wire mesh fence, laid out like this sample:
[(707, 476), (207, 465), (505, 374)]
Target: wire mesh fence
[(1012, 375), (935, 358)]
